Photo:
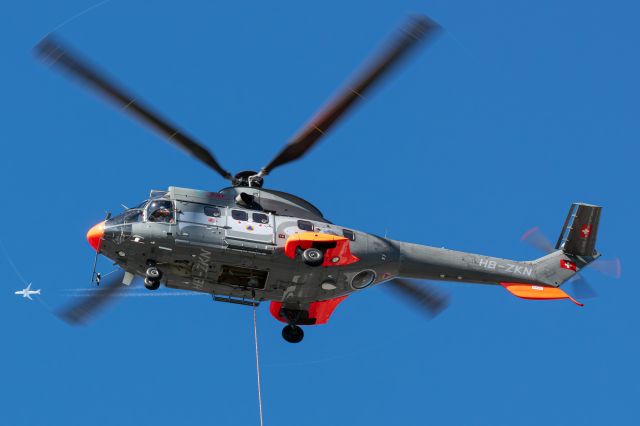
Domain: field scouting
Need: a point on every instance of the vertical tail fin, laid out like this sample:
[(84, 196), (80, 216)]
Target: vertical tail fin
[(575, 248), (578, 236)]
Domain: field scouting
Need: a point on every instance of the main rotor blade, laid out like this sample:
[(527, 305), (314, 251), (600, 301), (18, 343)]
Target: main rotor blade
[(415, 30), (424, 296), (536, 238), (54, 52), (81, 312)]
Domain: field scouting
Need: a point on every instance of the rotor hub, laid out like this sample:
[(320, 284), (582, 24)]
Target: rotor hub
[(248, 178)]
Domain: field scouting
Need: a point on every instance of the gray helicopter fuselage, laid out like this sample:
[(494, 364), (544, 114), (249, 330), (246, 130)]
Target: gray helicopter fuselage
[(217, 243)]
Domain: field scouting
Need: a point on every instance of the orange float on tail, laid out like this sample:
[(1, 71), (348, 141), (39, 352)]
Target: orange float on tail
[(537, 292)]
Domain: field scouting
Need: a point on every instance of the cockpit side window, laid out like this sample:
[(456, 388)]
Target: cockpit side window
[(239, 215), (160, 211)]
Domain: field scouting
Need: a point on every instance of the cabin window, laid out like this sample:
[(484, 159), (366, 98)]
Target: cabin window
[(212, 211), (349, 234), (160, 211), (305, 225), (239, 215), (260, 218)]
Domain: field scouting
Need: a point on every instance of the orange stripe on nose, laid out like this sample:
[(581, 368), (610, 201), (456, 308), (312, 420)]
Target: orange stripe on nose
[(95, 234)]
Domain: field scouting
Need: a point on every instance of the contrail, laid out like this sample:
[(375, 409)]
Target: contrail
[(167, 294), (39, 298), (13, 265), (79, 14), (89, 290)]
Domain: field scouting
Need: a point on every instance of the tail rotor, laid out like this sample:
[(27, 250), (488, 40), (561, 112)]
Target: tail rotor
[(537, 239)]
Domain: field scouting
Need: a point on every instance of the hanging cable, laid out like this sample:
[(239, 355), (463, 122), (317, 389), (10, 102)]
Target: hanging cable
[(255, 336)]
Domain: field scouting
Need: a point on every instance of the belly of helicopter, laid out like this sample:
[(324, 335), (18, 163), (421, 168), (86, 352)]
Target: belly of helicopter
[(248, 274), (243, 271)]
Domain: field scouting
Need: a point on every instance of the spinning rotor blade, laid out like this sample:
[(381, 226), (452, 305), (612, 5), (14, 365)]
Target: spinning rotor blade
[(581, 288), (536, 238), (54, 52), (426, 298), (416, 29), (81, 312), (609, 267)]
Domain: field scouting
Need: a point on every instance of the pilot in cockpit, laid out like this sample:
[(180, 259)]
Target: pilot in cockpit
[(160, 211)]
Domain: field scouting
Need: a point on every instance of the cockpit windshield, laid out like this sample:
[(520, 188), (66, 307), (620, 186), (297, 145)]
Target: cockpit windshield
[(129, 216), (160, 211), (141, 205)]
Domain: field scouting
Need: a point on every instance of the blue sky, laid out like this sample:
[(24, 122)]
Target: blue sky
[(516, 110)]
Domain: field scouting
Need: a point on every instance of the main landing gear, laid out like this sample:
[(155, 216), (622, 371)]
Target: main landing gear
[(152, 278), (292, 333)]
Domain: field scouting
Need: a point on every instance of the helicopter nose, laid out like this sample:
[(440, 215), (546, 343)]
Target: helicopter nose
[(95, 234)]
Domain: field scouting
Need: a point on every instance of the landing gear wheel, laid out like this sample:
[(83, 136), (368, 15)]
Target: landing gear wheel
[(153, 273), (292, 333), (152, 279), (151, 284), (313, 257)]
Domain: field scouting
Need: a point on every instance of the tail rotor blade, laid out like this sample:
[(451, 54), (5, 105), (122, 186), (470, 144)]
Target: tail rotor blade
[(80, 313), (536, 238), (581, 288), (425, 297), (609, 267)]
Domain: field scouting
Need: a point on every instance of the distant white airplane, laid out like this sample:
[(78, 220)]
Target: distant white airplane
[(27, 292)]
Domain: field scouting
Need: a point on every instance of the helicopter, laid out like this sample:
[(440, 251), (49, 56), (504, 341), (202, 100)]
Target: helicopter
[(246, 244)]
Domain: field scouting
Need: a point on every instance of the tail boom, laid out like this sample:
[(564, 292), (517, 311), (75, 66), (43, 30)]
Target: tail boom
[(537, 279)]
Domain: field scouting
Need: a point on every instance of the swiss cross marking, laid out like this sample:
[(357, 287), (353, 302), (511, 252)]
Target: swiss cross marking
[(565, 264)]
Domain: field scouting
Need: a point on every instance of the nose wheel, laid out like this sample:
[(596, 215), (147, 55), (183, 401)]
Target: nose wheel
[(152, 278), (292, 333)]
